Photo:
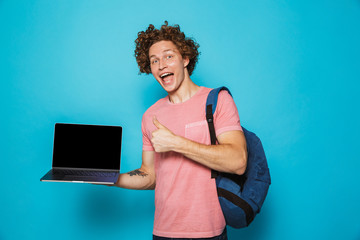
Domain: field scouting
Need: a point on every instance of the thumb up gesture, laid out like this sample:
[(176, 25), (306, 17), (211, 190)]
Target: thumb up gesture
[(163, 140)]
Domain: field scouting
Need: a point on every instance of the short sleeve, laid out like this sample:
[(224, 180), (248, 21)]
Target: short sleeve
[(147, 145), (226, 117)]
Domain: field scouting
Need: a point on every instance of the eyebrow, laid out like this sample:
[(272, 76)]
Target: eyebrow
[(167, 50)]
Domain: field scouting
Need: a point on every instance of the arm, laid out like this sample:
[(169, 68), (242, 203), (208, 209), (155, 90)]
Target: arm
[(142, 178), (229, 156)]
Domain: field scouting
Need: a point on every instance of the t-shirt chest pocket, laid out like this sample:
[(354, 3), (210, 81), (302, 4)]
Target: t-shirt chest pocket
[(198, 132)]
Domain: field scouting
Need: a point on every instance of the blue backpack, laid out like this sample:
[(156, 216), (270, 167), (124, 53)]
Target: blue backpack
[(240, 196)]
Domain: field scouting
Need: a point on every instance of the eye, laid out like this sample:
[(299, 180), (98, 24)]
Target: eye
[(154, 61), (169, 56)]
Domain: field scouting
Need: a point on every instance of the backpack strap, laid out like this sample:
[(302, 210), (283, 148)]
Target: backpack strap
[(211, 103)]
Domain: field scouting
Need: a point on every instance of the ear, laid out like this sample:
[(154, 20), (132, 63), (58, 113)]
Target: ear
[(186, 61)]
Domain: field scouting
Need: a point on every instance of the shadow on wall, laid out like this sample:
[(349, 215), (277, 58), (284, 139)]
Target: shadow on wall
[(105, 208), (259, 228), (98, 206)]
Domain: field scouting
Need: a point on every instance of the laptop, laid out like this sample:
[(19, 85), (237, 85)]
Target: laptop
[(85, 154)]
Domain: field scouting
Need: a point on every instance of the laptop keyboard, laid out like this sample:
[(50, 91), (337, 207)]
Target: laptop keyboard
[(83, 173)]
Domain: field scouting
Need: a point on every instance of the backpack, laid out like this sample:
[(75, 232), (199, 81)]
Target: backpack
[(240, 196)]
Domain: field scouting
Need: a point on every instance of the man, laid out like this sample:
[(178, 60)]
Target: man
[(177, 155)]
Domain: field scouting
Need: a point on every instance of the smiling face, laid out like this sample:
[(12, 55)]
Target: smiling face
[(168, 66)]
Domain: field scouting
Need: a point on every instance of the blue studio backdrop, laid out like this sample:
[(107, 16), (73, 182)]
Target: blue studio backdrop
[(293, 68)]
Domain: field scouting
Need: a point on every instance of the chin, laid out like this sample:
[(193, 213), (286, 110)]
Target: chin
[(169, 88)]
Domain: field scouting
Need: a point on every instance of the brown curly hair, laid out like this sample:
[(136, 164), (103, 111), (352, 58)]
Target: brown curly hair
[(186, 46)]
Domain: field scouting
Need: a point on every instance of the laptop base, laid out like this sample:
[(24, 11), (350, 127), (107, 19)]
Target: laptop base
[(50, 177)]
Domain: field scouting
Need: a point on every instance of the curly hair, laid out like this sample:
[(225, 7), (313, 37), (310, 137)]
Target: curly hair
[(186, 46)]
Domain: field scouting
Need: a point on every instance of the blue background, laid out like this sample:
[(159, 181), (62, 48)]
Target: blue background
[(292, 66)]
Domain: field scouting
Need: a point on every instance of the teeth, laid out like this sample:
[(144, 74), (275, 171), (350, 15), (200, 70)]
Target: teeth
[(165, 74)]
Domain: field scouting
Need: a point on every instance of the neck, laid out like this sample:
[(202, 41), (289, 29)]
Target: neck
[(187, 89)]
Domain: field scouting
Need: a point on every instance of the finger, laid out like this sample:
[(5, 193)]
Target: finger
[(157, 123)]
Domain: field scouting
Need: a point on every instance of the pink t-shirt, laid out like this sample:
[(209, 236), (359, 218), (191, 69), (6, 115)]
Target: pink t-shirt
[(186, 203)]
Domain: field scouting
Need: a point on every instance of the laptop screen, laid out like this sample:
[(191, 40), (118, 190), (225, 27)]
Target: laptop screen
[(87, 146)]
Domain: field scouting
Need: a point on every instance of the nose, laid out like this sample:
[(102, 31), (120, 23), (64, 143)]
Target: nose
[(162, 64)]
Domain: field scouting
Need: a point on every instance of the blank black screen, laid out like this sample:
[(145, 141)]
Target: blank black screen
[(87, 146)]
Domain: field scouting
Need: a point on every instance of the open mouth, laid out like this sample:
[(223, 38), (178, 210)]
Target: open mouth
[(166, 76)]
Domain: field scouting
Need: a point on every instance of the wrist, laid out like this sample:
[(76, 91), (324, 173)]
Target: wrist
[(184, 145), (178, 143)]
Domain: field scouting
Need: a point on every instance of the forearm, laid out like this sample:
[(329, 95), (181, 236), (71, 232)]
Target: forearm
[(142, 178), (225, 157), (139, 179), (230, 155)]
